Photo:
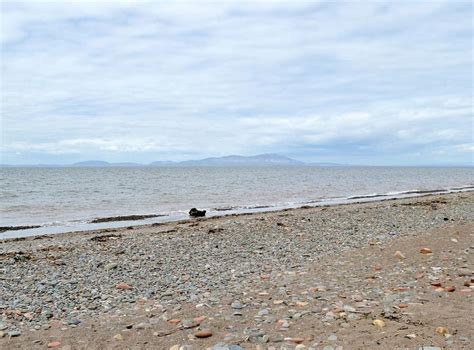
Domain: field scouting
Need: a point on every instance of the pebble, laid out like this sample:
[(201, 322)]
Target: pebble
[(297, 340), (349, 308), (141, 325), (464, 272), (205, 333), (263, 312), (118, 337), (111, 266), (398, 254), (426, 250), (236, 305), (441, 330), (332, 337), (123, 286), (54, 344), (378, 323), (13, 334), (186, 324)]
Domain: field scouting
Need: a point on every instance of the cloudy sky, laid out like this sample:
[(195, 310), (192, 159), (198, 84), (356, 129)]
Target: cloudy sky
[(360, 82)]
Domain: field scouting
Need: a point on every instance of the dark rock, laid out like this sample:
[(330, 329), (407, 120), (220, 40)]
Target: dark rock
[(195, 213)]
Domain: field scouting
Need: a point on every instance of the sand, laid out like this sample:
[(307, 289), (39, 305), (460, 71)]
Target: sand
[(301, 278)]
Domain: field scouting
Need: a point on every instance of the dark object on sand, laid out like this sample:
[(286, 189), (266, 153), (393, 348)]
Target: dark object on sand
[(194, 213), (124, 218), (13, 228)]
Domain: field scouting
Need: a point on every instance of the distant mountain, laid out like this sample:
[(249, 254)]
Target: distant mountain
[(261, 159), (268, 159)]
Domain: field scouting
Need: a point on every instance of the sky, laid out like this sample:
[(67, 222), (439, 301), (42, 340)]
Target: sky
[(356, 82)]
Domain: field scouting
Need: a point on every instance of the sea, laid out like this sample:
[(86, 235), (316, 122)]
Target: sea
[(67, 199)]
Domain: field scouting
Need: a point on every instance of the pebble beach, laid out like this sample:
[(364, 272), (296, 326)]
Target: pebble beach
[(387, 274)]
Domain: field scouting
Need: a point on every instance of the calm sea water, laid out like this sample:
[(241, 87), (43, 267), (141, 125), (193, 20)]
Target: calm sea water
[(72, 196)]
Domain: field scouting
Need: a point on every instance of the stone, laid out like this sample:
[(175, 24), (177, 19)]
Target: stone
[(195, 213), (263, 312), (2, 334), (141, 325), (73, 322), (450, 289), (186, 324), (199, 319), (425, 250), (464, 272), (236, 305), (54, 344), (378, 323), (118, 337), (349, 308), (123, 286), (14, 333), (111, 266), (277, 338), (297, 340), (332, 337), (410, 336), (441, 330), (174, 347), (205, 333), (28, 315), (398, 254)]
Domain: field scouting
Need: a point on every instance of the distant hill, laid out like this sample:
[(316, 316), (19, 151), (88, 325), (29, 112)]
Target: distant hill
[(267, 159), (234, 160)]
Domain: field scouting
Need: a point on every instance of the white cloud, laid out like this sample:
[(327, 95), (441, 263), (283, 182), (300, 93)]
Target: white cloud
[(234, 77)]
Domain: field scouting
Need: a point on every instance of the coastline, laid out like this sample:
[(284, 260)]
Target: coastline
[(249, 276), (127, 220)]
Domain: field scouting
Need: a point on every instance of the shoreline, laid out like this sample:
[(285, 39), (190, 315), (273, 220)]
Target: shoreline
[(121, 221), (263, 278)]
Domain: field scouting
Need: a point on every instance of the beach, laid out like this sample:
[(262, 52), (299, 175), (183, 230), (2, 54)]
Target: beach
[(386, 274)]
